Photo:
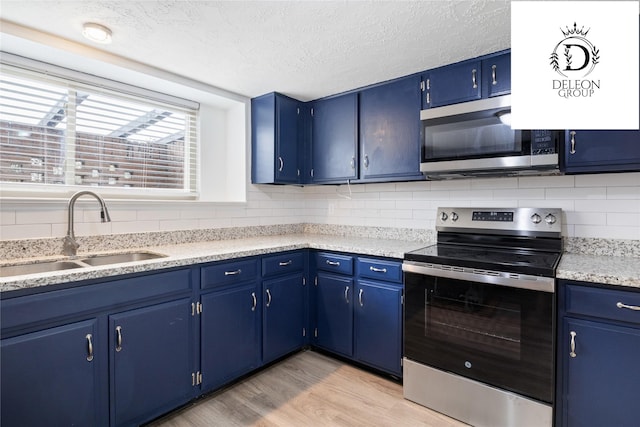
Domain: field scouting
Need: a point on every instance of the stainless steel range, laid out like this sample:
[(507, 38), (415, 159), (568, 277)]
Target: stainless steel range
[(479, 316)]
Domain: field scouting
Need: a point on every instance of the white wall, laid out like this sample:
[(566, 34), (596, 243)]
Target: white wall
[(604, 206)]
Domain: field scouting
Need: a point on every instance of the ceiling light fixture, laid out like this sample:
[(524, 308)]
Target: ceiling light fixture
[(96, 33)]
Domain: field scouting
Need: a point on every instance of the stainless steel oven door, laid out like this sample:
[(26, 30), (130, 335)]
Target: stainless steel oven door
[(467, 324)]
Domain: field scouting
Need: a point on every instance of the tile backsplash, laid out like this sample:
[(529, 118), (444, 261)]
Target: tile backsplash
[(595, 206)]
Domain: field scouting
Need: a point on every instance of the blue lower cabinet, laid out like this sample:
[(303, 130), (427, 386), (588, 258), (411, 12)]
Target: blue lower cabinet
[(595, 151), (54, 377), (378, 325), (334, 313), (230, 333), (151, 361), (283, 322)]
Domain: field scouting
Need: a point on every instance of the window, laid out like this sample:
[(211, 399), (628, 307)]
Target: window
[(57, 132)]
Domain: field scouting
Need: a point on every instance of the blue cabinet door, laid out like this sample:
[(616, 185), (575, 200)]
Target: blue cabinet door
[(601, 382), (230, 331), (49, 378), (451, 84), (151, 361), (283, 316), (274, 139), (378, 325), (334, 313), (390, 129), (335, 139), (602, 151), (496, 75)]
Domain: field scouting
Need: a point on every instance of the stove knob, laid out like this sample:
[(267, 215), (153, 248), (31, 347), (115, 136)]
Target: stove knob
[(550, 219), (454, 216), (443, 216), (535, 218)]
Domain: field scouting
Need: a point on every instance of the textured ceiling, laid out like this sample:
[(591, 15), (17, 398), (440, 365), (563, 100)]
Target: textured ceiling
[(306, 49)]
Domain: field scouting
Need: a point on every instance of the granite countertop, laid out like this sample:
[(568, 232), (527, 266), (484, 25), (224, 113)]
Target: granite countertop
[(611, 270), (608, 270), (195, 253)]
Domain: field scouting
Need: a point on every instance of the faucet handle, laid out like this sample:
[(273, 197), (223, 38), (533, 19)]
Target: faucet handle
[(70, 246)]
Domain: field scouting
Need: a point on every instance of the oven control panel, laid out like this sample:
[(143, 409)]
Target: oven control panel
[(516, 221)]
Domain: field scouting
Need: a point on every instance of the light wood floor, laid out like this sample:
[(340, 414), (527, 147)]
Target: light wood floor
[(308, 389)]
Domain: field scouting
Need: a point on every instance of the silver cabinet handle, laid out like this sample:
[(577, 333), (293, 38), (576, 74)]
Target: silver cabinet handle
[(377, 270), (334, 263), (428, 98), (232, 273), (366, 161), (573, 344), (573, 142), (628, 307), (89, 348), (281, 164), (268, 298), (285, 263), (353, 163), (360, 297), (428, 94), (494, 80), (346, 294), (118, 338), (254, 300), (473, 78)]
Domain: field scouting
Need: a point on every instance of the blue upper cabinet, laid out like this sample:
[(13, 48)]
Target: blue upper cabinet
[(591, 151), (452, 84), (275, 123), (496, 75), (390, 130), (335, 139)]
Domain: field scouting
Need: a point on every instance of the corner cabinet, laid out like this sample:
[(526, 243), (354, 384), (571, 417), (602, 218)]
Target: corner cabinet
[(390, 130), (334, 152), (275, 139), (359, 309), (592, 151), (598, 348)]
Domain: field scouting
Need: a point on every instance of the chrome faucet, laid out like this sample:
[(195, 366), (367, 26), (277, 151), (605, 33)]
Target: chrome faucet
[(70, 246)]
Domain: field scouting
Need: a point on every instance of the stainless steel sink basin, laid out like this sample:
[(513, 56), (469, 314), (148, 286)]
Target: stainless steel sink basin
[(38, 267), (90, 261), (120, 258)]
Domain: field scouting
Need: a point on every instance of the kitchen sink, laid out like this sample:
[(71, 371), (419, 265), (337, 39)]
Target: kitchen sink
[(89, 261), (120, 258), (37, 267)]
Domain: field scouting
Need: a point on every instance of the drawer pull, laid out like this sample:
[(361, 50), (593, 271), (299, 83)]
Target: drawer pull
[(494, 80), (334, 263), (473, 78), (255, 301), (89, 348), (118, 338), (360, 297), (378, 270), (268, 297), (346, 294), (232, 273), (285, 263), (628, 307), (573, 344)]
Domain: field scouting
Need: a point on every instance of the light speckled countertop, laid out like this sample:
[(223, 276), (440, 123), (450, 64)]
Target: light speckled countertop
[(612, 270), (195, 253)]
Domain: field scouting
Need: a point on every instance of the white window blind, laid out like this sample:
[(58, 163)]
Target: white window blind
[(60, 132)]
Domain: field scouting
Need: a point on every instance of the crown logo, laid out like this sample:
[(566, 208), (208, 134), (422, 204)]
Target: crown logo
[(575, 30)]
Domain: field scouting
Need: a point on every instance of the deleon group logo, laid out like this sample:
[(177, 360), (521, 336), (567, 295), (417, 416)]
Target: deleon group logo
[(574, 58)]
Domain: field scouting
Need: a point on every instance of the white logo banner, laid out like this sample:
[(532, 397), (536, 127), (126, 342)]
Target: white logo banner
[(574, 64)]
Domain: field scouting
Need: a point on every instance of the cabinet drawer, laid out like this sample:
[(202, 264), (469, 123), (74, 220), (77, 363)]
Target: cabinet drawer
[(342, 264), (387, 271), (282, 264), (605, 303), (229, 273)]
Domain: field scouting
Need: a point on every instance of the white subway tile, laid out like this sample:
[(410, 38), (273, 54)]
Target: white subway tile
[(413, 204), (623, 219), (565, 205), (25, 231), (7, 217), (398, 195), (623, 192), (546, 181), (135, 226), (519, 193), (160, 213), (380, 204), (608, 205), (379, 188), (413, 186), (576, 193), (432, 195), (608, 180), (472, 195), (582, 218), (40, 216), (454, 184), (178, 224), (607, 232), (494, 183)]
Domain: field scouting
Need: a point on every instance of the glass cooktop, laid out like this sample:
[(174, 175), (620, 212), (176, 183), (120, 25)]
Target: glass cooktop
[(510, 260)]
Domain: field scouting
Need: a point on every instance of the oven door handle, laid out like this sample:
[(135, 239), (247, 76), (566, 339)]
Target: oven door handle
[(514, 280)]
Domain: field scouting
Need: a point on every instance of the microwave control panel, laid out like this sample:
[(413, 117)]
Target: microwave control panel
[(543, 142)]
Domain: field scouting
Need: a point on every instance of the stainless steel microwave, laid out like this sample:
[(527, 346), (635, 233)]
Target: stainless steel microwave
[(475, 138)]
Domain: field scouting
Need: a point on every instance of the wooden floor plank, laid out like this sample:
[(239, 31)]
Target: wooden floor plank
[(308, 389)]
